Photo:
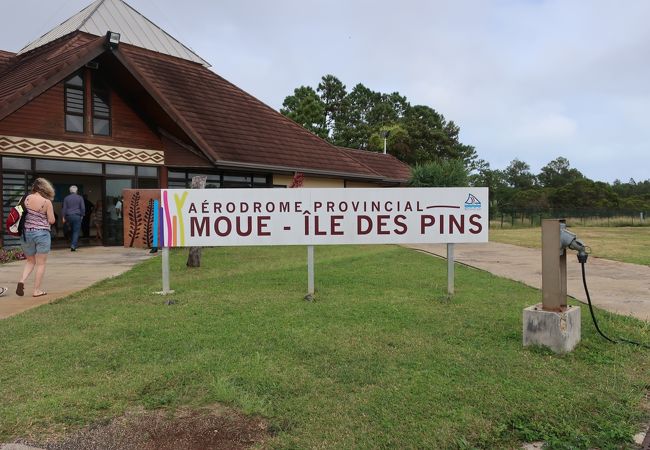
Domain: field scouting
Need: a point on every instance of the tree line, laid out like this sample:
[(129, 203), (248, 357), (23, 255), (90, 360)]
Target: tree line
[(361, 118), (421, 137), (559, 187)]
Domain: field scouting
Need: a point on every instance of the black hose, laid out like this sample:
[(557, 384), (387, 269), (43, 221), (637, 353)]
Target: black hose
[(591, 309), (593, 316)]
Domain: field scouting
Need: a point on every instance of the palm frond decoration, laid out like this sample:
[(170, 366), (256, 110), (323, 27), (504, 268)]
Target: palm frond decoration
[(148, 224), (135, 218)]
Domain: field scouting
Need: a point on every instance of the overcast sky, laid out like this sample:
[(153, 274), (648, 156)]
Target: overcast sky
[(526, 79)]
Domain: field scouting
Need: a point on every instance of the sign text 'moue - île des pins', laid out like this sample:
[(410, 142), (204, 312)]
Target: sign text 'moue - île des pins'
[(233, 217)]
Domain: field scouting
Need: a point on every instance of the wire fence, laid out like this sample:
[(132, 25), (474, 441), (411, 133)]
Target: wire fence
[(528, 218)]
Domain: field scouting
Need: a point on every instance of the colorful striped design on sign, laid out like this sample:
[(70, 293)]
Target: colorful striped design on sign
[(154, 240), (179, 211), (161, 226), (168, 220), (174, 230)]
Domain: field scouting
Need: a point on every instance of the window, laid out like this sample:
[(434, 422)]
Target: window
[(101, 108), (76, 113), (120, 169), (237, 181), (55, 165), (218, 180), (74, 103), (16, 163), (212, 181), (261, 181), (145, 171)]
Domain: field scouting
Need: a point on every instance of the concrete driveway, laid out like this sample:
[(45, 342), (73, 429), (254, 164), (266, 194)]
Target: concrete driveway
[(614, 286), (66, 272)]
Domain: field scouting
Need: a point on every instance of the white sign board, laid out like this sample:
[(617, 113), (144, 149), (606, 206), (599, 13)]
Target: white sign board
[(229, 217)]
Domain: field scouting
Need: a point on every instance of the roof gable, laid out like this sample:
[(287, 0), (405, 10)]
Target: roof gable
[(115, 15), (30, 75)]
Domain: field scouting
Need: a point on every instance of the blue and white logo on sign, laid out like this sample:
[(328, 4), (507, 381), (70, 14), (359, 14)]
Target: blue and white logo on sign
[(472, 202)]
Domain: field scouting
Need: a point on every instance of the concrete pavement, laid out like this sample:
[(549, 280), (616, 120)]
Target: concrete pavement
[(614, 286), (66, 272)]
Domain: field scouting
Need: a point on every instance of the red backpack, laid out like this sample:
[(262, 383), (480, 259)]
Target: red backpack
[(16, 219)]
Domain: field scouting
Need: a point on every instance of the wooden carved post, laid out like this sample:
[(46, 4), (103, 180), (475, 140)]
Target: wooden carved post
[(194, 257)]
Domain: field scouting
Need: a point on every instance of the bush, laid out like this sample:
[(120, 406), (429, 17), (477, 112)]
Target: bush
[(8, 255), (443, 173)]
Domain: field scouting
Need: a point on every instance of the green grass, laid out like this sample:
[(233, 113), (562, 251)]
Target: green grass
[(626, 244), (382, 359)]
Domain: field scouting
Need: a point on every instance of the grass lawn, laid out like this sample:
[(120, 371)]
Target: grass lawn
[(381, 360), (626, 244)]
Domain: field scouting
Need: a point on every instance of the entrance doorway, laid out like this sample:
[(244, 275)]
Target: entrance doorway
[(90, 187), (113, 214), (100, 183)]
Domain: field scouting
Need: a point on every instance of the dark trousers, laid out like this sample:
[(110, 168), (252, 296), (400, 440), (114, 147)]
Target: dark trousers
[(75, 225)]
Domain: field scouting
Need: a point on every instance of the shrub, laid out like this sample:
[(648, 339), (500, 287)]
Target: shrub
[(11, 254), (443, 172)]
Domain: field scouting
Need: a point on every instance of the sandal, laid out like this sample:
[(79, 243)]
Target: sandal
[(20, 289), (39, 294), (3, 290)]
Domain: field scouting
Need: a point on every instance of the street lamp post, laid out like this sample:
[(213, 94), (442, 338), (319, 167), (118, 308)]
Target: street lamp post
[(385, 134)]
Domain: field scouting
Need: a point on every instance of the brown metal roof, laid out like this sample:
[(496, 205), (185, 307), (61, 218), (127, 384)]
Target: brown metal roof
[(231, 126), (31, 74), (6, 59), (389, 167)]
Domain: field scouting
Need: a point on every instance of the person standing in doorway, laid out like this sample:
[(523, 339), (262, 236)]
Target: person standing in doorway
[(85, 221), (98, 218), (73, 211), (111, 212), (36, 240)]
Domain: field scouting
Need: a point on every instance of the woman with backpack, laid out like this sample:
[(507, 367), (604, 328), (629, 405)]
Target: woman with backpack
[(36, 239)]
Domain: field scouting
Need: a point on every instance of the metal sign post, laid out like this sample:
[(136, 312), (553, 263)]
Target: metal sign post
[(310, 273), (450, 269), (165, 272)]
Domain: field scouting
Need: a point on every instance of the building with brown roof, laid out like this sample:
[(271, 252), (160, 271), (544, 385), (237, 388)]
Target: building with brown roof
[(107, 101)]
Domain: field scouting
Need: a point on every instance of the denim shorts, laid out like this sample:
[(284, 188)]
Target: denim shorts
[(36, 241)]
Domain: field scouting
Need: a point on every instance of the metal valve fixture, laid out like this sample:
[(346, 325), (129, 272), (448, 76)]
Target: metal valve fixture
[(570, 240)]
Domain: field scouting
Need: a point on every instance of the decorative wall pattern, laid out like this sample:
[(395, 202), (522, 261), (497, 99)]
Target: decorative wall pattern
[(141, 213), (78, 150)]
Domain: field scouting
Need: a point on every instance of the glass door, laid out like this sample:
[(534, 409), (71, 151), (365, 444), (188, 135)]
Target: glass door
[(14, 186), (113, 206)]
